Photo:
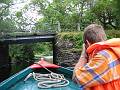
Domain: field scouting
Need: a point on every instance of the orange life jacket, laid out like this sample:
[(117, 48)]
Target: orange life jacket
[(114, 46)]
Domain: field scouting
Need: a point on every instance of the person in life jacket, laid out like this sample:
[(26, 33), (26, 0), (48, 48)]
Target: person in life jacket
[(99, 65)]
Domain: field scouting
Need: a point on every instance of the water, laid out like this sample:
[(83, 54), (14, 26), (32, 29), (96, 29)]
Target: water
[(16, 67)]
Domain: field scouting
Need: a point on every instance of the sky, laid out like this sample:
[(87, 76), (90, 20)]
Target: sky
[(30, 13), (19, 4)]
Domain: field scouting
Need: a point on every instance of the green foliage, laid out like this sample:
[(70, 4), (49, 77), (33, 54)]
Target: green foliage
[(15, 51), (105, 11), (68, 12), (6, 23), (6, 1), (7, 26), (21, 53), (26, 52), (43, 49), (118, 4), (19, 14), (75, 37), (113, 34)]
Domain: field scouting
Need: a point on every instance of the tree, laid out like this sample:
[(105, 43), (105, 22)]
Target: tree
[(117, 11), (69, 13), (77, 13), (118, 4), (6, 22), (104, 10)]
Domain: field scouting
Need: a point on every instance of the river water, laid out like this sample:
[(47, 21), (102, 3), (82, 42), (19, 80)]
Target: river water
[(14, 68)]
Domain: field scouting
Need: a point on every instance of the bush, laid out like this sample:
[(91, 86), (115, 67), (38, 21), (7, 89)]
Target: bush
[(113, 34), (75, 37)]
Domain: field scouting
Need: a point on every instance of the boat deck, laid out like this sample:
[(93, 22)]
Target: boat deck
[(31, 84)]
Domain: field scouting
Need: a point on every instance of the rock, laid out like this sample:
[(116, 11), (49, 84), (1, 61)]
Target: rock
[(66, 55)]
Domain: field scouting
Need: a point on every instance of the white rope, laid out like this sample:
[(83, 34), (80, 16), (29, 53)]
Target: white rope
[(49, 80)]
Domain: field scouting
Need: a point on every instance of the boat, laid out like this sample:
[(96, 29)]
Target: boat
[(22, 81)]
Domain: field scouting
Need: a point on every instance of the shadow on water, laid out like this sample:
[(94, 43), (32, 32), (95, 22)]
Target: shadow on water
[(16, 67), (12, 68), (5, 72)]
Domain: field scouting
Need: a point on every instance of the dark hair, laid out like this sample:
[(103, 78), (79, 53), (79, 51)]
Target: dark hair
[(94, 33)]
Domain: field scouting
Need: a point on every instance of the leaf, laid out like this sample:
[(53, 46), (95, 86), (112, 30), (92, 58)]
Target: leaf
[(18, 14)]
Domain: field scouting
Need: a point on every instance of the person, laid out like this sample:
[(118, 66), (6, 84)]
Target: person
[(99, 65)]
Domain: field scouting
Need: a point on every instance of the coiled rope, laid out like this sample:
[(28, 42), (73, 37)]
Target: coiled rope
[(49, 80)]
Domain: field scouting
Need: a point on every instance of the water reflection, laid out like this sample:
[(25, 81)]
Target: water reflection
[(5, 71), (9, 69)]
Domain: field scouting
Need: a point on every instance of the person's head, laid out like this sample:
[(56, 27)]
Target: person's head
[(93, 33)]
